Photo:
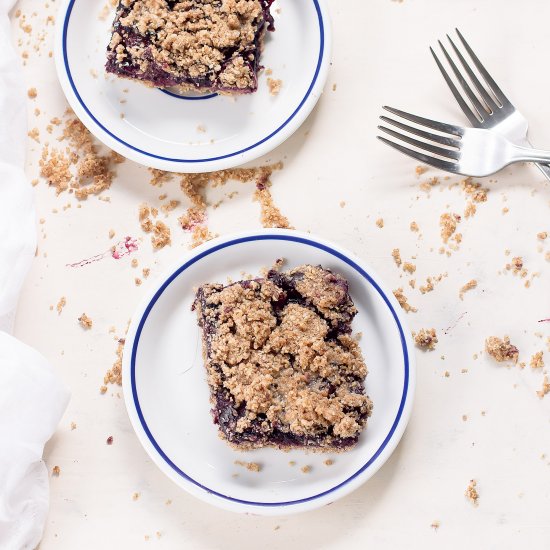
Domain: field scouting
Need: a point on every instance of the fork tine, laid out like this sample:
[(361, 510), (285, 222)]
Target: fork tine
[(443, 140), (474, 121), (486, 76), (447, 153), (489, 101), (437, 163), (433, 124), (478, 106)]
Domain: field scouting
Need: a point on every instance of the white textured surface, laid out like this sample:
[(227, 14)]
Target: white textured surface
[(380, 57)]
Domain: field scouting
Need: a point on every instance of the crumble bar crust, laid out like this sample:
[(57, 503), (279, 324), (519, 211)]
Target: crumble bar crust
[(282, 367), (207, 45)]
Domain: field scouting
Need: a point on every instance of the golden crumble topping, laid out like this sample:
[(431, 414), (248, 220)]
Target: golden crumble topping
[(403, 302), (85, 322), (471, 492), (468, 286)]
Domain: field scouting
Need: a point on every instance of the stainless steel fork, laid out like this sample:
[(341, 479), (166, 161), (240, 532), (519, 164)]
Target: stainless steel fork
[(489, 109)]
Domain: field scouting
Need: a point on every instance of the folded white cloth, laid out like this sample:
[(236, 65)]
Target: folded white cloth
[(32, 399)]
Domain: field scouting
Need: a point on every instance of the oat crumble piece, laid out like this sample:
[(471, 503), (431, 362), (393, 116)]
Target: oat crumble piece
[(414, 227), (114, 374), (468, 286), (274, 86), (420, 170), (380, 223), (329, 462), (396, 255), (409, 267), (306, 469), (501, 350), (73, 426), (402, 299), (135, 496), (448, 223), (471, 492), (56, 470), (32, 93), (194, 45), (61, 304), (542, 235), (545, 387), (250, 466), (426, 338), (537, 361), (282, 367), (85, 322), (111, 233)]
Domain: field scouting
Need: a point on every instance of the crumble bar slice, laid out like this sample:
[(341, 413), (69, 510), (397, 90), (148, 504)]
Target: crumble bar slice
[(282, 366), (200, 45)]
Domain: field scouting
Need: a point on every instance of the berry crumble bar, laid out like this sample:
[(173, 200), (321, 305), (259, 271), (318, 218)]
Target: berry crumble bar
[(200, 45), (282, 366)]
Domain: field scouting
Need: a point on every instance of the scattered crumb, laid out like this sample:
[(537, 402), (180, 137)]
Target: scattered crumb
[(435, 525), (114, 374), (447, 374), (464, 417), (329, 462), (342, 204), (111, 233), (468, 286), (134, 263), (146, 271), (85, 322), (306, 469), (448, 223), (135, 496), (402, 299), (414, 227), (545, 387), (250, 466), (292, 463), (110, 440), (380, 223), (501, 350), (409, 268), (61, 304), (73, 426), (56, 470), (103, 390), (396, 255), (274, 86), (542, 235), (201, 129), (426, 339), (471, 492), (137, 281), (420, 170), (32, 93), (537, 361)]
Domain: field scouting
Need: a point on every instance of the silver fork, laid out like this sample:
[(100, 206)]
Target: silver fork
[(467, 151), (491, 109)]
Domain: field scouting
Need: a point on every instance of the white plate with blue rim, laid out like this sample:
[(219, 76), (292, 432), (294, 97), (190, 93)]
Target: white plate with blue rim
[(194, 133), (167, 395)]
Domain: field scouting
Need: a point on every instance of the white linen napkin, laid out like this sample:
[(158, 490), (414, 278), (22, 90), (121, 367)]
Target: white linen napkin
[(32, 399)]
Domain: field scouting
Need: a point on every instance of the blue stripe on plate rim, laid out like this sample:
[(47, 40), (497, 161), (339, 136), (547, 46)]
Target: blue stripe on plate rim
[(120, 140), (237, 241)]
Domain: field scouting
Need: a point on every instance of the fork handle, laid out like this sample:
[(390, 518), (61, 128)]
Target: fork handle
[(544, 168), (526, 154)]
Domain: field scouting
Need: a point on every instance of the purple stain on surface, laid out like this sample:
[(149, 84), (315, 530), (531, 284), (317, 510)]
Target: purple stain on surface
[(118, 251)]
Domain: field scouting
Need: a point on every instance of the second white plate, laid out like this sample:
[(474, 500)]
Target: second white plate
[(167, 395), (194, 133)]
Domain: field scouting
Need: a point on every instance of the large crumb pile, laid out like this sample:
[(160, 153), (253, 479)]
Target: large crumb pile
[(79, 167), (426, 338), (501, 350)]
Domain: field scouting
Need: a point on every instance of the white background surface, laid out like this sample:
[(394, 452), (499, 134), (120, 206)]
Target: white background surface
[(380, 57)]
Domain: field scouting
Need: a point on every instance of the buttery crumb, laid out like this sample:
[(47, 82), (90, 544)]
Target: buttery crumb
[(396, 255), (111, 233), (56, 470), (402, 299), (135, 496), (435, 525), (250, 466), (414, 227), (137, 281), (61, 304), (329, 462), (409, 268), (545, 387), (32, 93), (537, 361), (380, 223), (542, 235), (501, 350), (426, 339), (471, 492), (274, 86), (468, 286), (85, 322), (103, 390), (306, 469), (134, 263), (448, 223), (146, 271), (420, 170)]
